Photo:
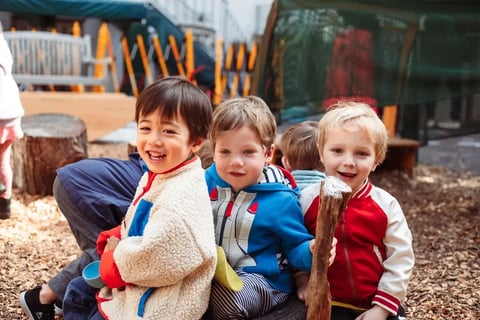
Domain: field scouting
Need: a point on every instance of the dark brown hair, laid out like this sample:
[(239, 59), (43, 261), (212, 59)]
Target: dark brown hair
[(175, 97)]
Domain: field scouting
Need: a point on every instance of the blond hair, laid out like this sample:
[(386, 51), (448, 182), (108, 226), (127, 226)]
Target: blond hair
[(351, 115), (249, 111), (298, 145)]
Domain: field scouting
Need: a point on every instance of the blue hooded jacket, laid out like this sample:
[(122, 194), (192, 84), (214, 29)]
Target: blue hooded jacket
[(261, 227)]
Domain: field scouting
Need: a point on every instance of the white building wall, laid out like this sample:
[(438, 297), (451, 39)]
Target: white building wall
[(251, 15)]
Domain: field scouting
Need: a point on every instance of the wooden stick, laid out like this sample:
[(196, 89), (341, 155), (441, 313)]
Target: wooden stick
[(334, 195)]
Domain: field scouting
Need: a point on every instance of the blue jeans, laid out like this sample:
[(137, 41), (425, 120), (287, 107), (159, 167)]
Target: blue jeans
[(80, 302)]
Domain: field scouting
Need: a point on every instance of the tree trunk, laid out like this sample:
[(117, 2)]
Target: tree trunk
[(51, 141)]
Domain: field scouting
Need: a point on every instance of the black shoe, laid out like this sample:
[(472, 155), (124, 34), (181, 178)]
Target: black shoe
[(30, 302), (4, 208)]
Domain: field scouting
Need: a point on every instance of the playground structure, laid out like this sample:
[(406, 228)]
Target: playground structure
[(311, 55), (133, 35)]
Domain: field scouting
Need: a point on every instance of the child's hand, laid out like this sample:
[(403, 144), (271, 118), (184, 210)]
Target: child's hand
[(112, 243), (333, 251), (311, 245), (374, 313), (301, 282)]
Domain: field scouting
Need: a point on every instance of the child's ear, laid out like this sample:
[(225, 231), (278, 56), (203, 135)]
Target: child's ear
[(270, 153), (197, 144), (286, 164)]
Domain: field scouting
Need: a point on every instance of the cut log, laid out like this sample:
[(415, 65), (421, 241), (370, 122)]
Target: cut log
[(51, 141), (334, 195)]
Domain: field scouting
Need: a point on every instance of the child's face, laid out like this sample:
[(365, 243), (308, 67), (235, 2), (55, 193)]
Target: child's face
[(163, 144), (240, 157), (349, 156)]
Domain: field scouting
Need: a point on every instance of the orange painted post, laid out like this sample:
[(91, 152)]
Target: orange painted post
[(176, 55), (234, 87), (128, 63), (250, 66), (229, 58), (252, 57), (101, 48), (246, 85), (76, 32), (238, 69), (228, 66), (145, 63), (389, 119), (240, 57), (189, 55), (217, 92), (160, 57)]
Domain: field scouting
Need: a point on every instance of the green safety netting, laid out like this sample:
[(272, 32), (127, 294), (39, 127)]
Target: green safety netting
[(384, 52)]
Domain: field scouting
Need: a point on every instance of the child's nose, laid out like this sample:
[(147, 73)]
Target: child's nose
[(237, 160), (349, 160), (156, 139)]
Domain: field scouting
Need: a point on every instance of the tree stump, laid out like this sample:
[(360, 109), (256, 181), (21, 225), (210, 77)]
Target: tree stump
[(51, 141)]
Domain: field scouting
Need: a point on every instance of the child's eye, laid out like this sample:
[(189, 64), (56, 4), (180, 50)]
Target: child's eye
[(224, 151), (249, 152), (363, 153), (169, 131), (144, 129), (336, 150)]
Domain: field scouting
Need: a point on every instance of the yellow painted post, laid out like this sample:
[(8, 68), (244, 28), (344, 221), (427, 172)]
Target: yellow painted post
[(76, 32), (176, 55), (128, 63), (160, 57), (145, 63), (217, 92), (101, 48)]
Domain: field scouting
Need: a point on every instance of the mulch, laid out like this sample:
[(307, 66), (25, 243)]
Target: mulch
[(442, 208)]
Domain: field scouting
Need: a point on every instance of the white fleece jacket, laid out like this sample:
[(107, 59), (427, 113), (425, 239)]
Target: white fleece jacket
[(175, 255)]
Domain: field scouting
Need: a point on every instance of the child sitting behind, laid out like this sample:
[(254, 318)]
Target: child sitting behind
[(374, 257), (300, 156), (159, 263), (258, 219)]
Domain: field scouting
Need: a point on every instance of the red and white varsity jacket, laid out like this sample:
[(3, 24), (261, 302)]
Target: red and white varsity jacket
[(374, 254)]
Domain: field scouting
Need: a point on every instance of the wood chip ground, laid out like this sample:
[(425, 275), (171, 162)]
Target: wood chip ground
[(442, 208)]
